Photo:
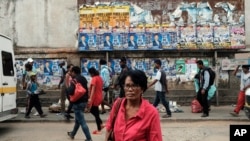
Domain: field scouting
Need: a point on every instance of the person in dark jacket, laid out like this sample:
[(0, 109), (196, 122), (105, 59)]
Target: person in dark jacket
[(121, 78), (80, 104)]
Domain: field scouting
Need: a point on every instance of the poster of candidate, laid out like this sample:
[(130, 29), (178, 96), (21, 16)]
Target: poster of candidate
[(87, 15), (47, 71), (120, 16), (117, 38), (169, 37), (104, 39), (87, 40), (185, 15), (103, 15), (154, 37)]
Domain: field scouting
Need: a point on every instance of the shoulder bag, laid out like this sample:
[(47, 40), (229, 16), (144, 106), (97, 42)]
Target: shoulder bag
[(78, 93), (117, 107)]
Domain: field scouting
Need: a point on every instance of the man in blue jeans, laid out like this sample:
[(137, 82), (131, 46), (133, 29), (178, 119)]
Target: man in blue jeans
[(161, 88), (79, 105)]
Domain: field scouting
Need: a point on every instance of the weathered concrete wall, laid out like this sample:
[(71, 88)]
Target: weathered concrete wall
[(40, 23), (247, 18)]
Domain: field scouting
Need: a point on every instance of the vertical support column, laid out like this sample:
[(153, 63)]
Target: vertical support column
[(107, 56), (216, 78)]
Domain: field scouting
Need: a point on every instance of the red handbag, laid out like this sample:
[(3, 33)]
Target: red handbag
[(78, 93)]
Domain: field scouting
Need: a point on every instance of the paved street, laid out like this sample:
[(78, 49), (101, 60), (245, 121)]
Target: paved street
[(171, 130), (217, 113), (183, 126)]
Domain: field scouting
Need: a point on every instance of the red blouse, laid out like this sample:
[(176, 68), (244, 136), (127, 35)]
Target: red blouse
[(144, 126)]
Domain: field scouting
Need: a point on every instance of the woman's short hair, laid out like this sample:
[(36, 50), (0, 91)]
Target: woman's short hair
[(139, 78), (93, 71)]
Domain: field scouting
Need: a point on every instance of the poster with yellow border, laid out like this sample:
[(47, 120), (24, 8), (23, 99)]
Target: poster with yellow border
[(120, 16), (103, 16), (87, 15)]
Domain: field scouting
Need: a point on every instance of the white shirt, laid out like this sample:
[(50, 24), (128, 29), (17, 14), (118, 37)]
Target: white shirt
[(244, 80), (158, 86)]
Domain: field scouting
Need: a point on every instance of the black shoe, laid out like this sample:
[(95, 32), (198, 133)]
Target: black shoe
[(27, 117), (103, 112), (204, 115), (71, 117), (43, 115), (69, 134)]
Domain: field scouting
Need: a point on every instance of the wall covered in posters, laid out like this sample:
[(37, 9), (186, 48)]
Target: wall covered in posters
[(161, 25), (48, 71)]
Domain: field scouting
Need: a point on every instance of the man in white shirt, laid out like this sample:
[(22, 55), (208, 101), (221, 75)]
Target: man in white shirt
[(161, 88), (244, 85)]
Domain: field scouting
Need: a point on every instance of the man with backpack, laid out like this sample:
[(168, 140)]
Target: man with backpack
[(161, 88), (207, 77)]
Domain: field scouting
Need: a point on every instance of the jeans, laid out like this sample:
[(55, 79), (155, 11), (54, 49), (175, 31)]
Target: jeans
[(160, 96), (80, 121)]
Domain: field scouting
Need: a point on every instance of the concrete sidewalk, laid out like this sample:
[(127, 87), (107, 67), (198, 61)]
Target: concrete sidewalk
[(217, 113)]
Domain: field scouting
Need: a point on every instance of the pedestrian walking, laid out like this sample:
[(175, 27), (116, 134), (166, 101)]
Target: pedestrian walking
[(61, 86), (33, 97), (136, 119), (121, 78), (161, 88), (68, 80), (204, 86), (95, 98), (244, 85), (79, 105), (105, 74)]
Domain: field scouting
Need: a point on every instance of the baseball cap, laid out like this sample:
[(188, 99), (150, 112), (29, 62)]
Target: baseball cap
[(30, 60)]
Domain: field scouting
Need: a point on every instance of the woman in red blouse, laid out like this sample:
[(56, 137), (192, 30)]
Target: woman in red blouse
[(95, 98), (137, 119)]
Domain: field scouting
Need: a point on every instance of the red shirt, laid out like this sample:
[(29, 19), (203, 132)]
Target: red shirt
[(97, 97), (144, 126)]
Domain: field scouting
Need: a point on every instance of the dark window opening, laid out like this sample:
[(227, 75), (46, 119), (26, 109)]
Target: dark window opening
[(8, 69)]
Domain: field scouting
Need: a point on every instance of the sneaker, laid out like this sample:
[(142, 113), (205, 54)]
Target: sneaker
[(36, 114), (96, 132), (70, 136), (43, 115), (166, 116), (27, 117), (234, 114), (204, 115)]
